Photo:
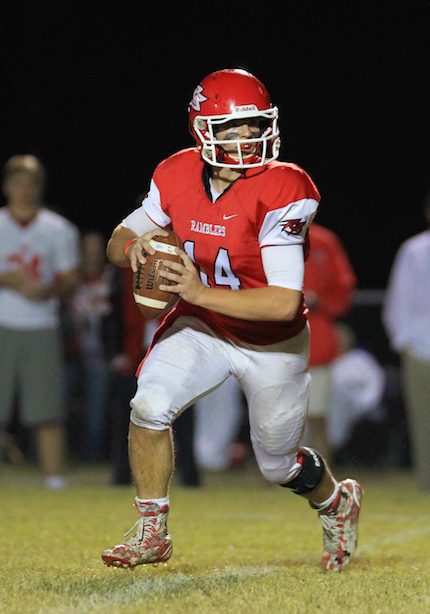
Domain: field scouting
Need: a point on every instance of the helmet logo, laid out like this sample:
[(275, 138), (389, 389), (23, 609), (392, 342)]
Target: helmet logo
[(197, 98), (245, 107)]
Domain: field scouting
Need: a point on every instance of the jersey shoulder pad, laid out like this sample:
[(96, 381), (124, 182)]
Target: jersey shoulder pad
[(285, 184), (178, 172), (289, 176), (184, 160)]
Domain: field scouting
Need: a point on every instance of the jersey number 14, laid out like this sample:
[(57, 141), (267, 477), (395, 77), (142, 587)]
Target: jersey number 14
[(223, 273)]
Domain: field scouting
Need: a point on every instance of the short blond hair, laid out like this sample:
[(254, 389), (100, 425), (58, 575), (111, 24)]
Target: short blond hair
[(25, 163)]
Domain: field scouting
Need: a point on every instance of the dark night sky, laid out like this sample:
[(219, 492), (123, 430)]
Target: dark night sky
[(99, 91)]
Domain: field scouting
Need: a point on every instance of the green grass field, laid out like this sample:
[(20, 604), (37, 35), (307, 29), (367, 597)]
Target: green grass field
[(240, 545)]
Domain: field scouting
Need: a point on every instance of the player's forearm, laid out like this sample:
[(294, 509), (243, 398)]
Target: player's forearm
[(64, 285), (8, 279), (117, 243), (269, 303)]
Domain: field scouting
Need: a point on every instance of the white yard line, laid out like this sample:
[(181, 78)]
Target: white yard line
[(140, 587), (398, 538)]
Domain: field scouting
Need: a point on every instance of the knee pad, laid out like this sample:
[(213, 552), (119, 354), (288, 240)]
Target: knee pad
[(152, 406), (311, 473)]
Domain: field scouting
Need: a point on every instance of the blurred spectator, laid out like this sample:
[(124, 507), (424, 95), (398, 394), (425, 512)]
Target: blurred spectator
[(9, 449), (38, 261), (328, 287), (358, 385), (398, 449), (406, 316), (88, 369)]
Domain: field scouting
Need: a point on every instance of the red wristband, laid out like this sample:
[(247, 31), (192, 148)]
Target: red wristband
[(127, 246)]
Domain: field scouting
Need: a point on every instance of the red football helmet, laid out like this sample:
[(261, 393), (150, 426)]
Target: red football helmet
[(218, 102)]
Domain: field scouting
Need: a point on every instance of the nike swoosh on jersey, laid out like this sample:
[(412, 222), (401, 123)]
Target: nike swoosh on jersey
[(228, 217)]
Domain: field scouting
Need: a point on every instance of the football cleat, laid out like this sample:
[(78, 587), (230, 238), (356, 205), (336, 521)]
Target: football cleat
[(151, 542), (340, 528)]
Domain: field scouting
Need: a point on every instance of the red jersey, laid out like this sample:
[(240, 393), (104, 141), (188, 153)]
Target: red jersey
[(328, 274), (267, 206)]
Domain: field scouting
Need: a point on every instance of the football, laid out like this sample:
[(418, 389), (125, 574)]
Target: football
[(151, 301)]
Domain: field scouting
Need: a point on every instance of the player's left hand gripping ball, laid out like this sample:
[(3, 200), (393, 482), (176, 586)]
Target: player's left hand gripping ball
[(152, 301)]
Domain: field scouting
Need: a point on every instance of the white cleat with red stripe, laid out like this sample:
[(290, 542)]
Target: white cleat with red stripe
[(150, 544), (340, 528)]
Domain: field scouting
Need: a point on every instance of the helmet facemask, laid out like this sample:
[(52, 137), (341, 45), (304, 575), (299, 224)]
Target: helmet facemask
[(267, 142)]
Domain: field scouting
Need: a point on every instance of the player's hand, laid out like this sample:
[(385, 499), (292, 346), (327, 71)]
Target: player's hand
[(36, 291), (138, 249), (185, 276), (17, 279), (21, 281)]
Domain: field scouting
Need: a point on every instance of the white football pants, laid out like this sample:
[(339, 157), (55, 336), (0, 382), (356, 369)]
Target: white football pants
[(217, 420), (190, 360)]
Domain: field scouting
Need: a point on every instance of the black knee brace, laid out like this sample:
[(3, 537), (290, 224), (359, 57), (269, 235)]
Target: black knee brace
[(311, 474)]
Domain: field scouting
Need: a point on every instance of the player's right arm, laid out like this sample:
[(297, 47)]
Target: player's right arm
[(126, 249), (130, 239)]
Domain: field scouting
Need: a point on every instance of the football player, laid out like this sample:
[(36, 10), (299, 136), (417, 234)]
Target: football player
[(243, 219)]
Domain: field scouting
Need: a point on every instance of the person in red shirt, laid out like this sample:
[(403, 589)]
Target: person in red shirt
[(242, 217), (329, 287)]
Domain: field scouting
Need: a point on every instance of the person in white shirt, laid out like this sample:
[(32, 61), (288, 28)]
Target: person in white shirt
[(406, 317), (38, 267), (357, 388)]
